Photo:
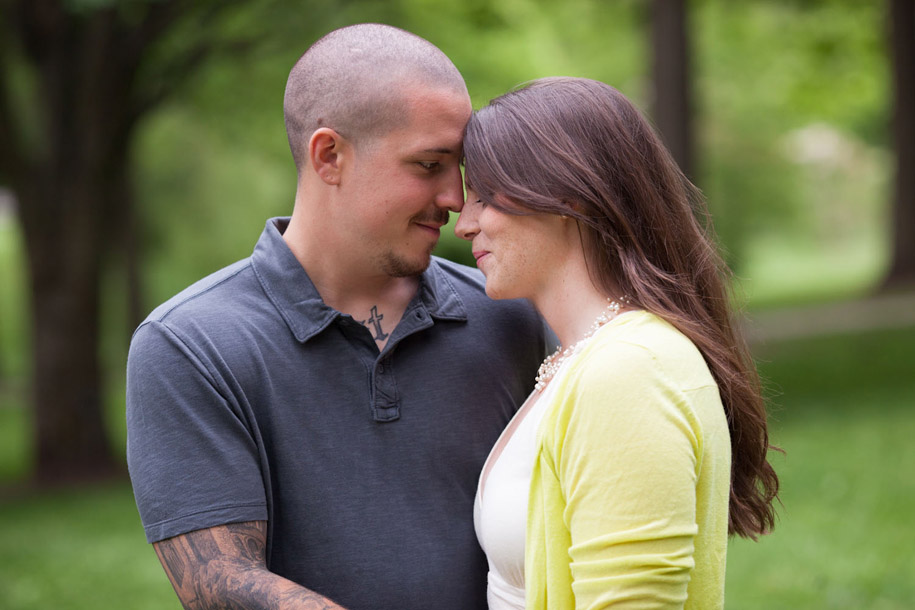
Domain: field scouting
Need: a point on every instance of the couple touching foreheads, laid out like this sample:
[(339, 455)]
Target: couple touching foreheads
[(343, 420)]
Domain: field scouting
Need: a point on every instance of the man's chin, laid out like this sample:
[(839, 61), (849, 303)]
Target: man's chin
[(399, 266)]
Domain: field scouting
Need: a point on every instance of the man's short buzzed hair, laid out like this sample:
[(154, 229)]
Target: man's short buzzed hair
[(351, 80)]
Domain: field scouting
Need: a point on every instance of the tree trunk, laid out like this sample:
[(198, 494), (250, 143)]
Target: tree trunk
[(902, 43), (69, 183), (94, 70), (66, 155), (70, 208), (64, 241), (672, 103), (672, 100)]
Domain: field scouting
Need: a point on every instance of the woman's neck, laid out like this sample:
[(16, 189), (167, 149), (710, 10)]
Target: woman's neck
[(572, 314), (570, 302)]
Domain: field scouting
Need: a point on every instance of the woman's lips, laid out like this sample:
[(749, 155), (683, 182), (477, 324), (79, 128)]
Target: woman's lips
[(480, 255)]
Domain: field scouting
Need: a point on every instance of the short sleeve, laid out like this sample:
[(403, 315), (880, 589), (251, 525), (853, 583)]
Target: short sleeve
[(193, 461), (627, 463)]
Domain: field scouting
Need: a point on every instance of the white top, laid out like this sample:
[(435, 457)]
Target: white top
[(500, 506)]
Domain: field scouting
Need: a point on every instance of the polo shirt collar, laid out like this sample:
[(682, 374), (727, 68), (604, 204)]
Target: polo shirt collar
[(287, 285)]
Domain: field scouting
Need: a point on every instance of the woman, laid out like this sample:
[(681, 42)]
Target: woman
[(644, 443)]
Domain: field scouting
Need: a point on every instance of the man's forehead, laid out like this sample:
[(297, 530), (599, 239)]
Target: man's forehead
[(430, 138), (432, 143), (448, 150)]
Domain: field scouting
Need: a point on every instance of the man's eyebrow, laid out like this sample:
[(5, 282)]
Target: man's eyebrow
[(441, 151)]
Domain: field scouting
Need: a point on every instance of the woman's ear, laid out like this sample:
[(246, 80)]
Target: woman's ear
[(325, 153)]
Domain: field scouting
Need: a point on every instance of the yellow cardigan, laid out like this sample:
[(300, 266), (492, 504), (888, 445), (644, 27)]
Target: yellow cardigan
[(628, 503)]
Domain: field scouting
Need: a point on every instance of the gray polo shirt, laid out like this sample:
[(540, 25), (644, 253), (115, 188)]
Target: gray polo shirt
[(248, 398)]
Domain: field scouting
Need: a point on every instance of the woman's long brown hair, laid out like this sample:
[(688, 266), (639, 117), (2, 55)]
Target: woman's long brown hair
[(579, 148)]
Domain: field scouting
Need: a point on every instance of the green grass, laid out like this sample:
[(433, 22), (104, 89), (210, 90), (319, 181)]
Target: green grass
[(844, 411), (82, 549), (845, 415)]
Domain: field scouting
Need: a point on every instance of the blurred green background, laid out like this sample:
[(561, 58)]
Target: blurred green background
[(793, 144)]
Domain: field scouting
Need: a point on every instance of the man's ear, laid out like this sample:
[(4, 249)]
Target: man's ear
[(326, 150)]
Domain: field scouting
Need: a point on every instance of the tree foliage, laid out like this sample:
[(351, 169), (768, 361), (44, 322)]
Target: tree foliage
[(145, 144)]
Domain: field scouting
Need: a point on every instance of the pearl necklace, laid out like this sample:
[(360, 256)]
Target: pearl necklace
[(555, 360)]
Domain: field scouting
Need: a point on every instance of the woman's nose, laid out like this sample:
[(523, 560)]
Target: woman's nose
[(466, 226)]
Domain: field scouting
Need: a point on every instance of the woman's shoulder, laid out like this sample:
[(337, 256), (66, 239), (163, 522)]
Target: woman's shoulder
[(638, 373), (638, 346)]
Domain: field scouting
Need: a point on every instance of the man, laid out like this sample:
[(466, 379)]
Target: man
[(306, 427)]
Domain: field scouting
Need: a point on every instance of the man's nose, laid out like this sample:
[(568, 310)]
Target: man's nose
[(451, 195)]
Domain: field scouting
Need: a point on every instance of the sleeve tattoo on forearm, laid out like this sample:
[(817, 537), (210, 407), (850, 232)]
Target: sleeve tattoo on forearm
[(225, 568)]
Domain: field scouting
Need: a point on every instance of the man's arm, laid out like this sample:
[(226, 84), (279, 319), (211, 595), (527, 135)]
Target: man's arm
[(224, 567)]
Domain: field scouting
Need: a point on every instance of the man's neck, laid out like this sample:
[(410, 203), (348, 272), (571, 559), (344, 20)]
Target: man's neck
[(375, 299)]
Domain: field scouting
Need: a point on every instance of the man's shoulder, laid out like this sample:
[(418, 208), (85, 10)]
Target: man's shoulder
[(214, 293)]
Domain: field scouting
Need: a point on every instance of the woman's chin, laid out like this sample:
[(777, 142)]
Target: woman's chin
[(491, 292), (494, 291)]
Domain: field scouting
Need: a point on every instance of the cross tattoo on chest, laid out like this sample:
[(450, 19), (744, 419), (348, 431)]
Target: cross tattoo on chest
[(375, 321)]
